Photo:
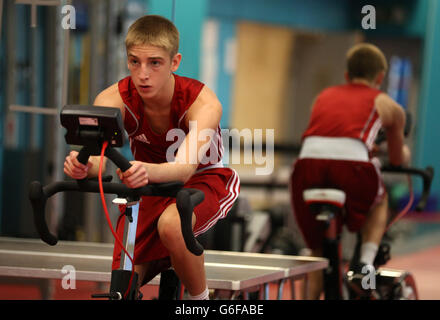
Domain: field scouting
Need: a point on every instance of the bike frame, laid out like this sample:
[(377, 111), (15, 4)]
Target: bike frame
[(82, 127), (334, 276)]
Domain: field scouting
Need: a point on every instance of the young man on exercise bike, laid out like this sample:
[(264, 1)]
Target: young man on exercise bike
[(337, 152), (173, 127)]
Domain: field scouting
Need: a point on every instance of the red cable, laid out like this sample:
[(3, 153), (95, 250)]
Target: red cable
[(407, 207), (101, 189)]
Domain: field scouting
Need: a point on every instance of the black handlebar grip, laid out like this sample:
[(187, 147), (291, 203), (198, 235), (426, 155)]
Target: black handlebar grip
[(427, 180), (197, 197), (112, 154), (185, 203), (118, 159), (38, 201), (83, 155)]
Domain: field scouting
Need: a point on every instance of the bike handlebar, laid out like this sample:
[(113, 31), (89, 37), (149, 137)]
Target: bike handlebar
[(186, 198), (426, 174)]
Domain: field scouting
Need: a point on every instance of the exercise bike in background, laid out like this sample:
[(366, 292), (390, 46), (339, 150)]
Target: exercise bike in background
[(389, 284)]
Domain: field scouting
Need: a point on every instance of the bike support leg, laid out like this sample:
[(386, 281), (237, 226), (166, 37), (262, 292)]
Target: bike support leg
[(333, 274), (130, 226), (121, 277)]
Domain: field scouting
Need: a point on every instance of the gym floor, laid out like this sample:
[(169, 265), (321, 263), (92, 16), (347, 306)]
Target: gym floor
[(418, 250)]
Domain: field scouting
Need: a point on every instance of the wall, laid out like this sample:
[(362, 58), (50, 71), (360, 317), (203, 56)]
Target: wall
[(314, 15), (263, 65), (189, 16), (310, 15), (318, 62), (428, 133)]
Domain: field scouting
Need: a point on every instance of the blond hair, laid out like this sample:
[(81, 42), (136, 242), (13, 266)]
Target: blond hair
[(153, 30), (365, 61)]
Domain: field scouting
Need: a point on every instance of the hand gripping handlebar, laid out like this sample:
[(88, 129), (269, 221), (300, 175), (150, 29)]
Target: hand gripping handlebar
[(186, 199)]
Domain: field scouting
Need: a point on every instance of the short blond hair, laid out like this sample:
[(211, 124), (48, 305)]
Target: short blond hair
[(153, 30), (365, 61)]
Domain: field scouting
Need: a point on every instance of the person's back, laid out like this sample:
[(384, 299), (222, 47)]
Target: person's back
[(345, 111), (337, 150)]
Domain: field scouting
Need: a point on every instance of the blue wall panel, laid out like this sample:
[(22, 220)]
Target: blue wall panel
[(427, 131)]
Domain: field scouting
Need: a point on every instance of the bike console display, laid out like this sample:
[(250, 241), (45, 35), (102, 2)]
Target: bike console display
[(89, 123)]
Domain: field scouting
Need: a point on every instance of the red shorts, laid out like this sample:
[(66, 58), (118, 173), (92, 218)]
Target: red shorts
[(221, 187), (361, 182)]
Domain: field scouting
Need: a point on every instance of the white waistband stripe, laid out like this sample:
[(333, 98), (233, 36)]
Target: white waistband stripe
[(334, 148)]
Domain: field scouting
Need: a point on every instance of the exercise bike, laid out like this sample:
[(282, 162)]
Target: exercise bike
[(326, 205), (99, 131)]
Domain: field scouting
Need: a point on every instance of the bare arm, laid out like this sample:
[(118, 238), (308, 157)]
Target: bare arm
[(393, 120), (202, 117), (205, 114)]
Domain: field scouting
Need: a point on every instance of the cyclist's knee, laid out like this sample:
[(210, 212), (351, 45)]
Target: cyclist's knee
[(169, 228)]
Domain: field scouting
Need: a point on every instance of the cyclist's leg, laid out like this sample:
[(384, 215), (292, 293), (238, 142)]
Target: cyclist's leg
[(221, 187), (367, 208), (142, 270), (148, 270), (373, 230), (188, 267)]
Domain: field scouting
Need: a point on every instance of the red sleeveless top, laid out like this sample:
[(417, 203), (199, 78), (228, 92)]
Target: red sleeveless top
[(149, 146), (346, 111)]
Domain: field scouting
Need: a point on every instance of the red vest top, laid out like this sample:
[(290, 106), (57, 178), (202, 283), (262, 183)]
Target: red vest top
[(148, 146), (346, 111)]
